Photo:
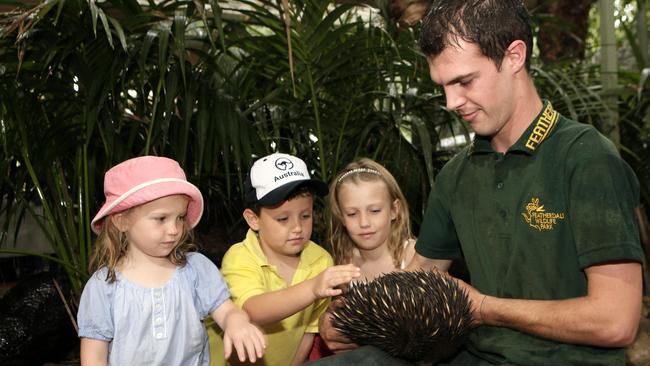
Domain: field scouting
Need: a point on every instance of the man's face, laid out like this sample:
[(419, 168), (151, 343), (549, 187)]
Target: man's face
[(480, 93)]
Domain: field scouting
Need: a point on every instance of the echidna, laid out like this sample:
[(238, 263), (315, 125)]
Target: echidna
[(420, 315)]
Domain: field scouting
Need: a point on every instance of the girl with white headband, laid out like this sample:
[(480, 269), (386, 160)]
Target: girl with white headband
[(369, 225)]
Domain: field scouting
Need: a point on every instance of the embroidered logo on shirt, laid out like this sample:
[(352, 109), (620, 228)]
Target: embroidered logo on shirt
[(537, 217), (543, 127)]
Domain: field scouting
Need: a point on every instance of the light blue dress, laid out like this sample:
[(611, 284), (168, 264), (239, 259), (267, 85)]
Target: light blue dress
[(154, 326)]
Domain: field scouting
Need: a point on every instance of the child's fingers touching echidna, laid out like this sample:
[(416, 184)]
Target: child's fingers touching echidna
[(328, 282)]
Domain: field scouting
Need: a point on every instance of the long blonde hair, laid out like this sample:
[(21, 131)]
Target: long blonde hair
[(367, 170), (111, 245)]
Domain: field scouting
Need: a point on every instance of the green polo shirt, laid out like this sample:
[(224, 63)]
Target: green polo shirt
[(529, 221)]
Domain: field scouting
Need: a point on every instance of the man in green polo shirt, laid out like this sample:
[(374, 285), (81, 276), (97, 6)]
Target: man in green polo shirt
[(541, 207)]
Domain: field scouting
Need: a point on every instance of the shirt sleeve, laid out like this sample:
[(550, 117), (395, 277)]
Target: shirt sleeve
[(244, 276), (437, 238), (210, 288), (94, 316), (603, 195)]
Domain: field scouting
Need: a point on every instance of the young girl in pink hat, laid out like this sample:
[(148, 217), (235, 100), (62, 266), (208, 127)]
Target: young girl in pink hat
[(145, 302)]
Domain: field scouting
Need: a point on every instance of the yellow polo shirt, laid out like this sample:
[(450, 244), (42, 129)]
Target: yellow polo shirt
[(248, 273)]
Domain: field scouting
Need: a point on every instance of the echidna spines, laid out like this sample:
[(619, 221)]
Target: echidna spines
[(408, 314)]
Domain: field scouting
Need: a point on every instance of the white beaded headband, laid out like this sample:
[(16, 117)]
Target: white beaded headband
[(358, 170)]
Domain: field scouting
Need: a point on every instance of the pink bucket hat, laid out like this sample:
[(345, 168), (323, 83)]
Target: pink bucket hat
[(144, 179)]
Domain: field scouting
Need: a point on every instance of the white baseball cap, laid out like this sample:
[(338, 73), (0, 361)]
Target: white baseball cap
[(275, 177)]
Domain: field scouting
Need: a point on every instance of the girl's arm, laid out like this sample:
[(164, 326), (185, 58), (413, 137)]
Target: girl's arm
[(334, 340), (409, 252), (238, 332), (93, 352), (271, 307), (420, 262), (303, 350)]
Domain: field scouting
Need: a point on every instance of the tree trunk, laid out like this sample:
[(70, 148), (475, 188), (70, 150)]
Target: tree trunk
[(642, 33), (562, 36), (609, 68)]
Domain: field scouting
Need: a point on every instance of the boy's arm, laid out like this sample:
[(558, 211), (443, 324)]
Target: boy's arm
[(93, 352), (271, 307), (303, 350)]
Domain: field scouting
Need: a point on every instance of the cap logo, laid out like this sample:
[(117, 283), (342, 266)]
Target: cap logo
[(283, 164)]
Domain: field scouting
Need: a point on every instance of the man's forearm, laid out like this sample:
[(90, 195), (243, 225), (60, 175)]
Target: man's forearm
[(607, 317)]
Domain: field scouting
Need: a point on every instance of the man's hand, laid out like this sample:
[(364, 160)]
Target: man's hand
[(476, 299)]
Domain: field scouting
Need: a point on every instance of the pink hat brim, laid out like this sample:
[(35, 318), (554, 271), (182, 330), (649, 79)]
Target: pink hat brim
[(150, 191)]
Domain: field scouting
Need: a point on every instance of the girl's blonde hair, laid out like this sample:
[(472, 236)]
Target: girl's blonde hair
[(367, 170), (111, 245)]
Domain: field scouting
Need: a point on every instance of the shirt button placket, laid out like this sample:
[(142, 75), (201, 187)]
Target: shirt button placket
[(158, 314), (499, 176)]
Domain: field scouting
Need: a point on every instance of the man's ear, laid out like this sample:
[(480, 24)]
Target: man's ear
[(252, 219), (516, 55), (120, 221)]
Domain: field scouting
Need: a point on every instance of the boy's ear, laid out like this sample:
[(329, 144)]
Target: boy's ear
[(516, 55), (252, 219), (120, 221), (394, 209)]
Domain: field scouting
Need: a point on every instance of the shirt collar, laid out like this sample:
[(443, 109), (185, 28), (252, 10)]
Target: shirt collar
[(536, 133), (308, 256)]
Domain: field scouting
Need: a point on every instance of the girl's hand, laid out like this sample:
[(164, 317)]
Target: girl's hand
[(248, 340), (334, 340), (326, 283)]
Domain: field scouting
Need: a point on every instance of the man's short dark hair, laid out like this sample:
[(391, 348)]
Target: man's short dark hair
[(490, 24)]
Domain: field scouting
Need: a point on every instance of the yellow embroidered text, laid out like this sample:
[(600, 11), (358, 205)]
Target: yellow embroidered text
[(537, 217), (544, 125)]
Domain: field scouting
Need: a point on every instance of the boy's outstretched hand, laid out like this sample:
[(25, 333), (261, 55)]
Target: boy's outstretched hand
[(247, 339), (326, 284)]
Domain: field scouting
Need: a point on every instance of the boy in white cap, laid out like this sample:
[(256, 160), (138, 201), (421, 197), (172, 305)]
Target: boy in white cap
[(145, 302), (279, 276)]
